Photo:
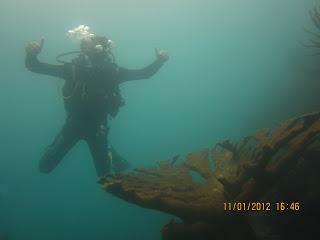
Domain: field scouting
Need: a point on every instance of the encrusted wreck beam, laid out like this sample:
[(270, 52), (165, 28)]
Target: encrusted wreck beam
[(241, 171), (170, 188)]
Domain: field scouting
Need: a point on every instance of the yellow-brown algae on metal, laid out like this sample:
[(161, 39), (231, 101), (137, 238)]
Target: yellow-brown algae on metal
[(242, 171)]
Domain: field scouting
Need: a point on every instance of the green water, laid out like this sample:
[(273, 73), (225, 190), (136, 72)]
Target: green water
[(234, 66)]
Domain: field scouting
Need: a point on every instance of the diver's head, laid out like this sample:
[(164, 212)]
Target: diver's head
[(96, 46), (91, 45)]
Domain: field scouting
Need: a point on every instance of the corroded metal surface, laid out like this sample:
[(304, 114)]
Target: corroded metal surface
[(241, 171)]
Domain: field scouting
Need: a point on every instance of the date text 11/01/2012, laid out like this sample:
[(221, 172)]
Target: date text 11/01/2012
[(261, 206)]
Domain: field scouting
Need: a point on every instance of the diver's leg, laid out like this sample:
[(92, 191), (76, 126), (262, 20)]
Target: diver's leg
[(119, 163), (98, 145), (54, 153)]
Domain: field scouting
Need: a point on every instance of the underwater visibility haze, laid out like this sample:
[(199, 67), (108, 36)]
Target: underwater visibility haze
[(235, 66)]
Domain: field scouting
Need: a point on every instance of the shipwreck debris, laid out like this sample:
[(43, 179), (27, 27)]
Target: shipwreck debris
[(243, 171)]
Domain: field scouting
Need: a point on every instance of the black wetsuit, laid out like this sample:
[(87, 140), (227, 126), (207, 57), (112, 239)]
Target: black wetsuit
[(91, 93)]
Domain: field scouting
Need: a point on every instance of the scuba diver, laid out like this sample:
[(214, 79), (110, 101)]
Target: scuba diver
[(91, 95)]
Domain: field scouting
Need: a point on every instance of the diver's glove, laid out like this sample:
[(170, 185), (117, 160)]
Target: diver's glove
[(162, 55), (34, 48)]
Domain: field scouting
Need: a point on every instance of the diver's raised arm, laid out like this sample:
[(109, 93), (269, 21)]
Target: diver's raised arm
[(146, 72), (34, 65)]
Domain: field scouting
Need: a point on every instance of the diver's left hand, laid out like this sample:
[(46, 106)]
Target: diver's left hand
[(162, 55)]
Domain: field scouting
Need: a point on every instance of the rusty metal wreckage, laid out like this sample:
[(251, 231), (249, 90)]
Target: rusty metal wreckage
[(236, 172)]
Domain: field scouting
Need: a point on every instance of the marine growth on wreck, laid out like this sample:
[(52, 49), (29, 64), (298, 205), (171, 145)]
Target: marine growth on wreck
[(258, 168)]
